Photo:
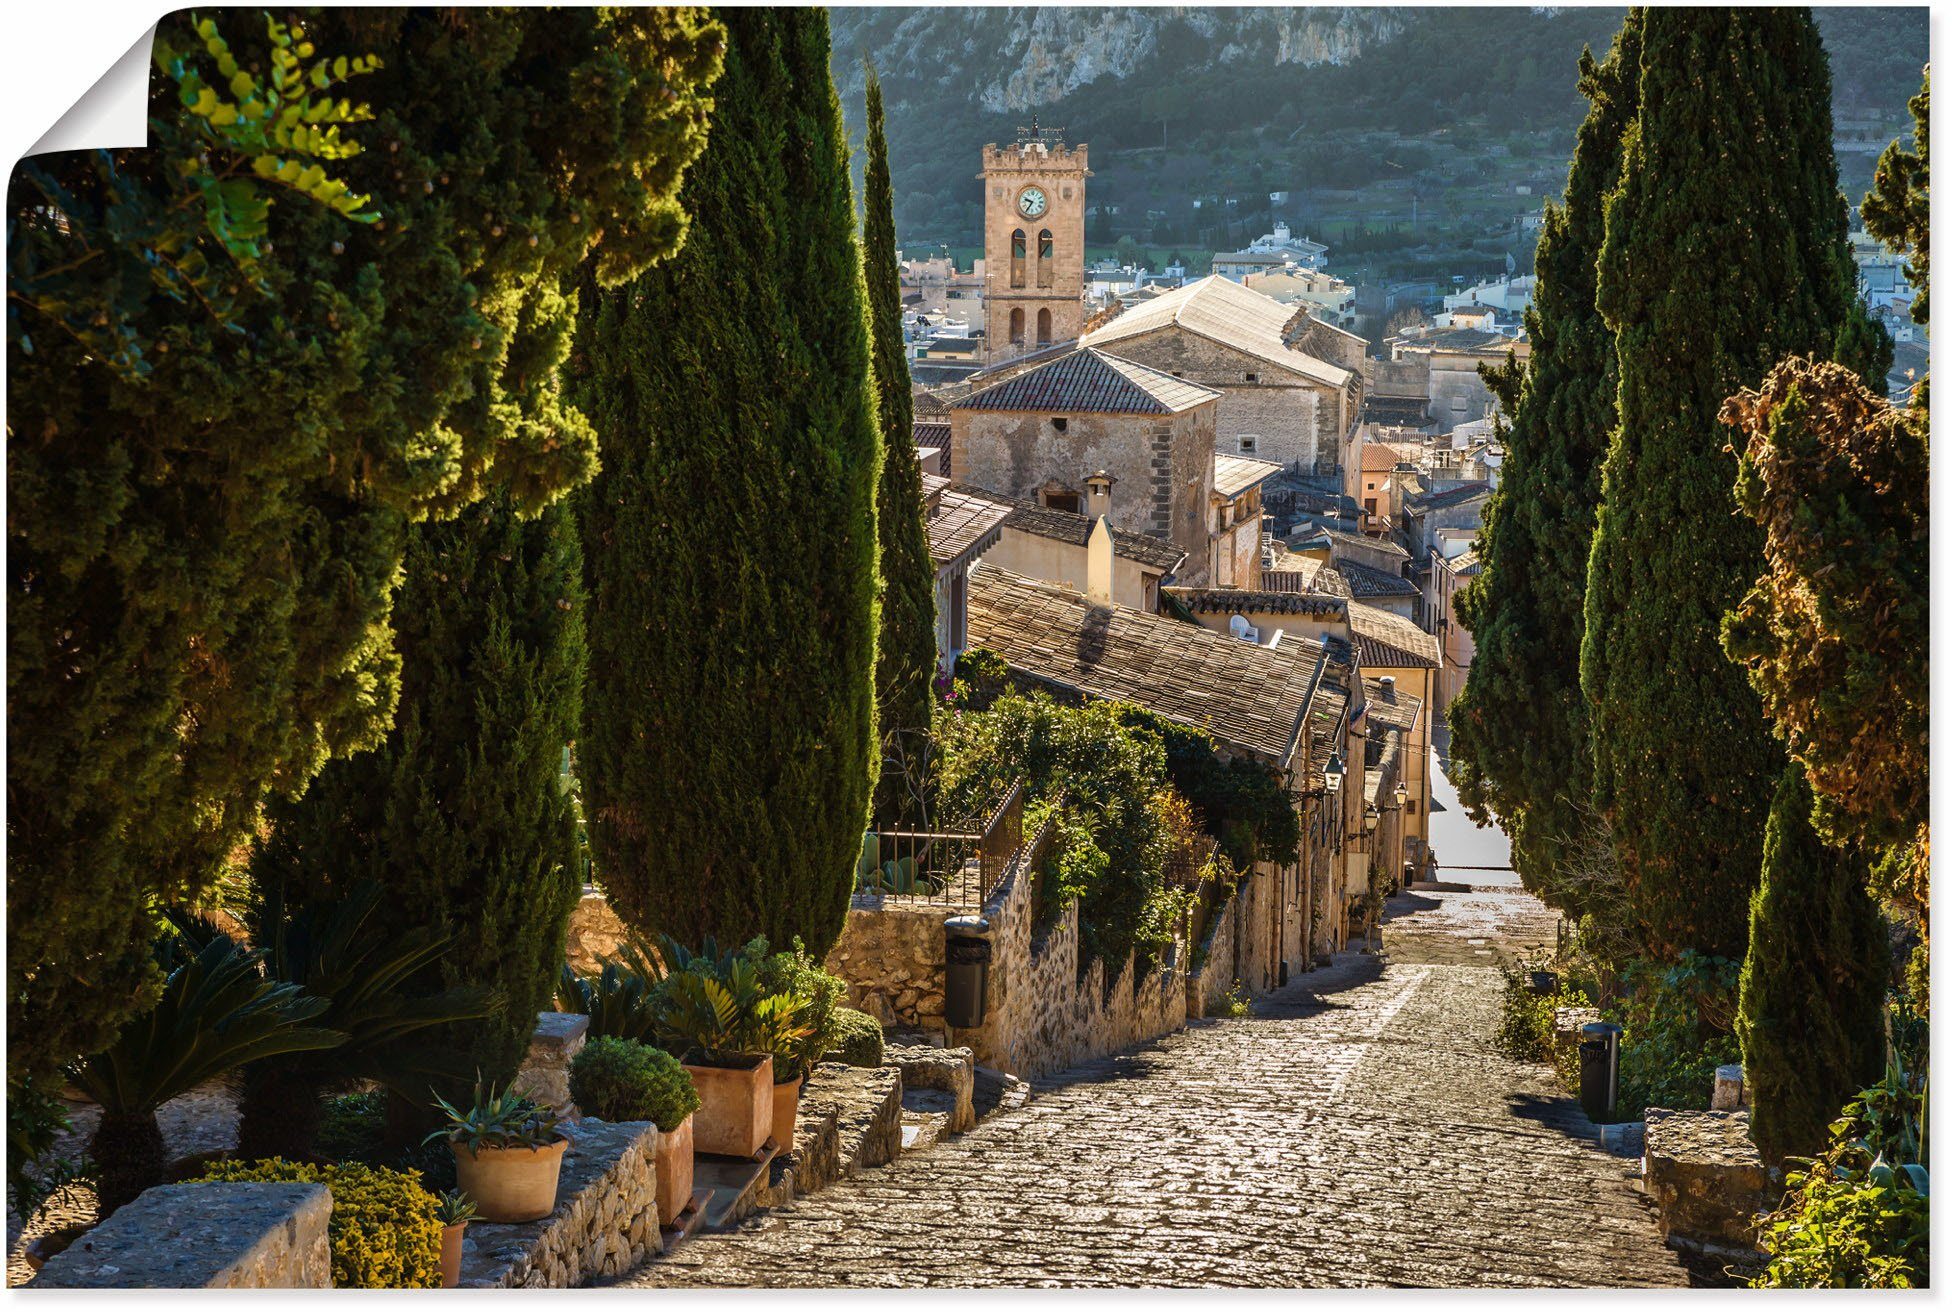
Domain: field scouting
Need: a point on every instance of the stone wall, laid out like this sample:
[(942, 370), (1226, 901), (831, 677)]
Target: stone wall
[(893, 956), (204, 1236), (594, 932), (544, 1074), (1704, 1174), (1214, 975), (605, 1222)]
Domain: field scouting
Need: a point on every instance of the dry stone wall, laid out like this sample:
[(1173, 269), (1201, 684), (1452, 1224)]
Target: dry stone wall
[(605, 1222), (205, 1236), (893, 956), (595, 933)]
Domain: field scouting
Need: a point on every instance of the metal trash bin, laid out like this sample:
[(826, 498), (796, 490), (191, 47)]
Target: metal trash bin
[(1599, 1070), (966, 987)]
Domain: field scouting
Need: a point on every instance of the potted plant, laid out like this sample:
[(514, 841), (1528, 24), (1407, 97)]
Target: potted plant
[(508, 1154), (716, 1010), (617, 1079), (456, 1210), (815, 1031)]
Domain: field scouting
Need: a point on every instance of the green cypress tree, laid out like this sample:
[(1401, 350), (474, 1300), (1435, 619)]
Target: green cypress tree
[(728, 745), (1721, 256), (203, 556), (1811, 1015), (905, 664), (1519, 736)]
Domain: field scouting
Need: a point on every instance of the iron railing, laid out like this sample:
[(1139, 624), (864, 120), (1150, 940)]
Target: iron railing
[(960, 866)]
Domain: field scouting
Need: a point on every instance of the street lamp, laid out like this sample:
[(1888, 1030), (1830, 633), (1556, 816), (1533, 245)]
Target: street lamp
[(1332, 773)]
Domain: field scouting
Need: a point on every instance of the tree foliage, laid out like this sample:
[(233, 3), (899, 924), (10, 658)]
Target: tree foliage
[(905, 662), (1519, 730), (728, 744), (203, 557), (1724, 251), (1812, 1001), (1898, 210)]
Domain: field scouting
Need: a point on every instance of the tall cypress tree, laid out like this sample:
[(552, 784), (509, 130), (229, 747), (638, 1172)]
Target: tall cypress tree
[(728, 746), (203, 558), (906, 661), (1519, 735), (1812, 1003), (1721, 256)]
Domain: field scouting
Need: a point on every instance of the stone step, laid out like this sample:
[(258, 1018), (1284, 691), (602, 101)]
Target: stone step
[(731, 1183), (921, 1131)]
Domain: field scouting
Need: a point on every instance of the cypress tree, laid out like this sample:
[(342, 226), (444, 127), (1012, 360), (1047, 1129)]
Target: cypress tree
[(728, 746), (1519, 735), (1812, 1001), (203, 556), (1721, 256), (906, 660)]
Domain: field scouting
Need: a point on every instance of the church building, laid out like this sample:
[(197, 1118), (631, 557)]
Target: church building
[(1033, 243)]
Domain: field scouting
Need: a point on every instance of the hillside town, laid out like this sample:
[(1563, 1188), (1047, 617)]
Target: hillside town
[(717, 748)]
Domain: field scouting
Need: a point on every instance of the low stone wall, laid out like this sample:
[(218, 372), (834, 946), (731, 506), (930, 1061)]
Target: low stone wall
[(544, 1074), (950, 1072), (604, 1224), (893, 956), (204, 1236), (1208, 984), (594, 932), (1704, 1174)]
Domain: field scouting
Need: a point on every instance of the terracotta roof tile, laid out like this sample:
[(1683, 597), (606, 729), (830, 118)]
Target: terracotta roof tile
[(1233, 475), (963, 527), (1248, 697), (1228, 601), (1226, 312), (1390, 641), (1367, 581), (1089, 381), (1069, 526)]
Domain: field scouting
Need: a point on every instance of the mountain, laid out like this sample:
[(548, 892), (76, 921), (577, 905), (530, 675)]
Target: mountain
[(1388, 128)]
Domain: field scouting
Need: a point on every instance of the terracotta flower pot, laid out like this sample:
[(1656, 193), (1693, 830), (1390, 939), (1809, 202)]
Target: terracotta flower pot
[(510, 1184), (451, 1236), (674, 1153), (786, 1111), (735, 1108)]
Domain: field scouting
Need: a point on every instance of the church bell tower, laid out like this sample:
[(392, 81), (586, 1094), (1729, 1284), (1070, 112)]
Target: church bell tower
[(1033, 242)]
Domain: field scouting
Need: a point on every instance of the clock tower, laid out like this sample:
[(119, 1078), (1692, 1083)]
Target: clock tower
[(1033, 242)]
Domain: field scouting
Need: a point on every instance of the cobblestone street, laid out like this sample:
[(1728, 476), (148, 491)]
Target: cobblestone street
[(1359, 1129)]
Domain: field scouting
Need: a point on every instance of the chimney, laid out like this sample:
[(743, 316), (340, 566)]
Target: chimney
[(1098, 494), (1099, 562), (1388, 684)]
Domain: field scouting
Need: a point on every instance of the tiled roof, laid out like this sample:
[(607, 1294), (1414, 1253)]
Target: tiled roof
[(932, 486), (1233, 475), (1227, 601), (1467, 563), (1248, 697), (1089, 381), (1252, 257), (1294, 573), (1388, 641), (1380, 457), (1366, 581), (1223, 311), (963, 527), (1069, 526), (1450, 496), (1475, 340), (932, 432), (1326, 713), (1396, 709)]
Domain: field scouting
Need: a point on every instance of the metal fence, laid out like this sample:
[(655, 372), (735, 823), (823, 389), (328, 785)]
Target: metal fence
[(960, 865)]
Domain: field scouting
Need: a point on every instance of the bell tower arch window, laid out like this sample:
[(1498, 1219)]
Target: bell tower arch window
[(1046, 260), (1044, 327), (1016, 327), (1016, 258)]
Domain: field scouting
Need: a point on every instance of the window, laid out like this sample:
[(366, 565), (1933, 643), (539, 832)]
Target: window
[(1247, 445), (1060, 423), (1253, 378), (1410, 806), (1062, 501), (1016, 258), (1016, 327), (1044, 327), (1045, 258), (1369, 505)]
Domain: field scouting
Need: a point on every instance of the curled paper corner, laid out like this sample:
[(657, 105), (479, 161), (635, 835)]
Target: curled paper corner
[(112, 114)]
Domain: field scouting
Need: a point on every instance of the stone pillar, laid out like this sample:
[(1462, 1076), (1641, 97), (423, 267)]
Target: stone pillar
[(204, 1236), (1728, 1088), (559, 1036)]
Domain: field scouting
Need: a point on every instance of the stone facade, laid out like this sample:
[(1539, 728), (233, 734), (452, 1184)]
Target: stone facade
[(1703, 1171), (594, 934), (604, 1224), (1292, 419), (205, 1236), (1161, 466), (1035, 292), (893, 956)]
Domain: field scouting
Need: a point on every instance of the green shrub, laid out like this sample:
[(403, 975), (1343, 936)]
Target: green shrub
[(352, 1126), (797, 974), (857, 1038), (1679, 1027), (385, 1230), (623, 1080)]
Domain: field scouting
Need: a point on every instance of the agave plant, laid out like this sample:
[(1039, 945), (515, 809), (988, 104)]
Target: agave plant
[(217, 1012), (339, 953), (504, 1119)]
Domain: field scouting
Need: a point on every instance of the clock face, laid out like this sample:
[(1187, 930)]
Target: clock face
[(1032, 203)]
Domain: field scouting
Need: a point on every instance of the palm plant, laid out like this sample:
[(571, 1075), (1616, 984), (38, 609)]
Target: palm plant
[(338, 953), (721, 1013), (621, 1000), (216, 1013)]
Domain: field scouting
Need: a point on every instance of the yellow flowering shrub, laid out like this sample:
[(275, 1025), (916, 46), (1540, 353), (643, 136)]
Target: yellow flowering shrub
[(385, 1230)]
